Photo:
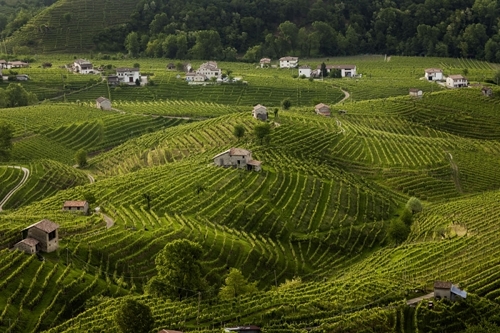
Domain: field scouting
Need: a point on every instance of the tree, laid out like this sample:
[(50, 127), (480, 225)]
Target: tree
[(179, 268), (208, 45), (406, 217), (239, 131), (398, 231), (67, 17), (134, 317), (17, 95), (236, 285), (262, 131), (275, 112), (6, 134), (81, 157), (286, 104), (132, 44), (4, 98), (414, 205)]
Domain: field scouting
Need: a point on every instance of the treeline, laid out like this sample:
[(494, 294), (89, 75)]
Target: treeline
[(223, 29)]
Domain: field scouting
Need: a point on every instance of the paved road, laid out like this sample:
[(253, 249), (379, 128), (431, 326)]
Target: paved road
[(18, 186), (418, 299)]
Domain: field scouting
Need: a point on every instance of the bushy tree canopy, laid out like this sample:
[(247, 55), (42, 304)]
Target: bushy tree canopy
[(134, 317), (236, 285), (6, 134)]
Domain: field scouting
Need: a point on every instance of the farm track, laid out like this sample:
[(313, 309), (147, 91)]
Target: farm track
[(18, 186), (346, 96), (455, 173)]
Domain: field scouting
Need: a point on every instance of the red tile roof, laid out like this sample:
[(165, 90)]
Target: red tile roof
[(76, 203)]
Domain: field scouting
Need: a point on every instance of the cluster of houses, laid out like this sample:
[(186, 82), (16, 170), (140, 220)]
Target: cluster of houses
[(124, 75), (452, 81), (306, 70), (206, 72)]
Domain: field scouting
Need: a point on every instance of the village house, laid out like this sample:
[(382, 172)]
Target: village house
[(3, 64), (77, 206), (487, 91), (237, 158), (130, 76), (323, 109), (345, 70), (305, 70), (103, 103), (289, 62), (195, 77), (17, 64), (265, 62), (434, 74), (246, 329), (259, 112), (113, 80), (414, 92), (210, 70), (41, 236), (83, 66), (456, 81), (447, 290)]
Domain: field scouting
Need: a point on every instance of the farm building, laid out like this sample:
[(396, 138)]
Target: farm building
[(246, 329), (187, 67), (456, 81), (289, 62), (82, 66), (305, 70), (103, 103), (445, 289), (414, 92), (76, 206), (171, 66), (487, 91), (129, 75), (322, 109), (195, 77), (259, 112), (113, 80), (44, 232), (434, 74), (345, 70), (28, 245), (237, 158), (265, 62), (3, 64), (210, 70), (17, 64)]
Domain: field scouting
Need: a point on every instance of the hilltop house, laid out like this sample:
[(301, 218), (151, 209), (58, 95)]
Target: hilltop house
[(130, 76), (434, 74), (237, 158), (487, 91), (41, 236), (445, 289), (414, 92), (305, 70), (246, 329), (103, 103), (456, 81), (289, 62), (210, 70), (265, 62), (323, 109), (259, 112), (82, 66)]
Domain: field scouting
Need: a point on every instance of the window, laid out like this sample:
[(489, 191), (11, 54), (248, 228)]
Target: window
[(52, 235)]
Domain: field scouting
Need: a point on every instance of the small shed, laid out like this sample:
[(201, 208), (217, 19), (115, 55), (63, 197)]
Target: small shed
[(447, 290), (76, 206), (171, 66), (487, 91), (113, 80), (28, 245), (259, 112), (305, 70), (246, 329), (103, 103), (323, 109), (414, 92), (45, 232)]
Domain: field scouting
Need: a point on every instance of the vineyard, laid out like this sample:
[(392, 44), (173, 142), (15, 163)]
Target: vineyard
[(312, 228)]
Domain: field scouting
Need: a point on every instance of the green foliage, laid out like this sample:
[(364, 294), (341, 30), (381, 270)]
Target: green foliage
[(398, 231), (6, 135), (239, 131), (134, 317), (81, 157), (235, 285), (414, 205), (262, 132), (132, 44), (18, 96), (496, 77), (406, 217), (286, 104)]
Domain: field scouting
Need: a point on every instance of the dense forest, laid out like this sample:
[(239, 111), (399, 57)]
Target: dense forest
[(223, 29)]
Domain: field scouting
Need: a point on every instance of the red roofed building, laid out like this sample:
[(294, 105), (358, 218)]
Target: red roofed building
[(76, 206)]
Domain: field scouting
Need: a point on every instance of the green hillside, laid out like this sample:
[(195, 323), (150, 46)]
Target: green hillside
[(314, 229)]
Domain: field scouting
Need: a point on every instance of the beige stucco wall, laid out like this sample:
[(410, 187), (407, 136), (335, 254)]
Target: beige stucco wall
[(43, 238), (226, 160)]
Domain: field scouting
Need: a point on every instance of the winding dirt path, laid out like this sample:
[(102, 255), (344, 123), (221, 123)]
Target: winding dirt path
[(455, 174), (91, 179), (109, 221), (18, 186), (346, 96)]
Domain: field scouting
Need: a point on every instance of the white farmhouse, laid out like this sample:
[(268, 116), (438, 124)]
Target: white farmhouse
[(434, 74), (289, 62), (17, 64), (259, 112), (265, 62), (346, 70), (456, 81), (415, 92), (210, 70), (128, 75), (305, 70), (104, 104), (237, 158), (83, 66)]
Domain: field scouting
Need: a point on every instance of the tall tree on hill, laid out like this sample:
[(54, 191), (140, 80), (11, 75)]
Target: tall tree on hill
[(132, 44), (17, 95), (134, 317), (81, 157), (263, 132), (6, 134), (236, 285), (208, 45)]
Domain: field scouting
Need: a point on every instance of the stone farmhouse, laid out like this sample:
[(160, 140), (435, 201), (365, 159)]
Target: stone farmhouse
[(265, 62), (237, 158), (305, 70), (259, 112), (289, 62), (210, 70), (414, 92), (456, 81), (246, 329), (82, 66), (323, 109), (434, 74), (487, 91), (131, 76), (41, 236), (103, 103), (445, 289), (76, 206)]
